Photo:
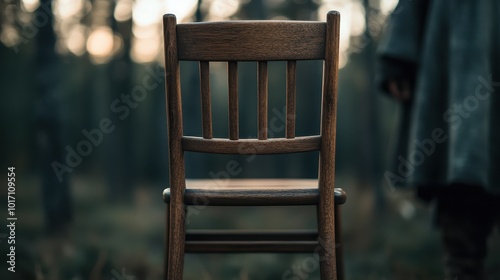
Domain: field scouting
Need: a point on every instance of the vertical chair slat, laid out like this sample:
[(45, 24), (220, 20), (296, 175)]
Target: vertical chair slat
[(262, 99), (291, 76), (206, 107), (232, 73)]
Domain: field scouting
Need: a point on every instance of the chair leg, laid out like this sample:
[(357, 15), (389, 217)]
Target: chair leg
[(177, 234), (326, 239), (339, 254), (167, 238)]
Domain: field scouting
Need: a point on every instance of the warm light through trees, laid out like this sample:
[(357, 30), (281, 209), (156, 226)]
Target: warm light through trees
[(83, 25)]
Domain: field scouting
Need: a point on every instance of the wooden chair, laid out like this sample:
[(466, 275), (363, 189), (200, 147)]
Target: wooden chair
[(260, 41)]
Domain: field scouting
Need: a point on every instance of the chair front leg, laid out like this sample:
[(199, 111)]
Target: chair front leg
[(326, 240), (166, 239), (339, 251), (176, 242)]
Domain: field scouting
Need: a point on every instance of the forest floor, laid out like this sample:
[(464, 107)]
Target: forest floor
[(115, 241)]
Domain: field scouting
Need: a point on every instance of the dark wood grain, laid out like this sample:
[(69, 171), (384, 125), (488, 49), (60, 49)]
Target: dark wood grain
[(176, 156), (166, 239), (326, 205), (339, 248), (201, 191), (233, 241), (251, 40), (255, 235), (206, 107), (251, 146), (232, 77), (253, 197), (251, 246), (291, 76), (262, 99), (257, 192)]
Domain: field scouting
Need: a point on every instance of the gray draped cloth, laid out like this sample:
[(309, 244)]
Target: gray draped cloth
[(450, 129)]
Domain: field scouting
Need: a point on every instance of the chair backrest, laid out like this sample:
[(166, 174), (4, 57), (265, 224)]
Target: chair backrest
[(260, 41)]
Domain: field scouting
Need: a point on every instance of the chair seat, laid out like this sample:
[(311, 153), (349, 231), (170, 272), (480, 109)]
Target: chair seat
[(253, 192)]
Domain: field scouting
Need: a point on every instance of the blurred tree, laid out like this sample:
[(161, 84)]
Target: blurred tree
[(122, 161), (121, 166), (254, 9), (55, 191)]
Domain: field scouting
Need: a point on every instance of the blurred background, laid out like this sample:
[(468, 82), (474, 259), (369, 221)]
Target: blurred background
[(84, 125)]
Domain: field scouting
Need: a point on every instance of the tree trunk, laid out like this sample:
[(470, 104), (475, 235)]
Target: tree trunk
[(120, 161), (55, 191)]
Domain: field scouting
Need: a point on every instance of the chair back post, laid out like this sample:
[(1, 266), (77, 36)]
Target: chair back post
[(326, 176), (176, 155)]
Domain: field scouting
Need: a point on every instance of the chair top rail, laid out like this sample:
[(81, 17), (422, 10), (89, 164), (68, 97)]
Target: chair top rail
[(268, 40)]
